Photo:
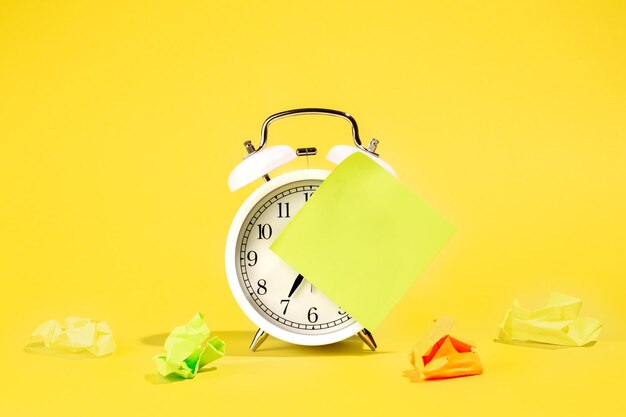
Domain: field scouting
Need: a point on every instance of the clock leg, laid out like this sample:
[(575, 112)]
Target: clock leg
[(258, 340), (367, 338)]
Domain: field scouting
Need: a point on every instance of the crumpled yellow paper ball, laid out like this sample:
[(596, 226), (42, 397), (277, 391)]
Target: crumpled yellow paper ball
[(558, 323), (75, 334)]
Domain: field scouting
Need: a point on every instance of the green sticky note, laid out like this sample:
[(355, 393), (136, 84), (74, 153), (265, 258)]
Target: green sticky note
[(188, 349), (362, 239)]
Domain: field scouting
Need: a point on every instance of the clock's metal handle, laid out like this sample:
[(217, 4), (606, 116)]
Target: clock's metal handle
[(316, 111)]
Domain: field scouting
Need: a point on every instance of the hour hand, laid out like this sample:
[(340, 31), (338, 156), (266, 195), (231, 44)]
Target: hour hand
[(295, 285)]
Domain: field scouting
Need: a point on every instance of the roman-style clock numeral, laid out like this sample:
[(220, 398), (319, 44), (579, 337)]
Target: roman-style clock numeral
[(252, 258), (307, 195), (262, 290), (312, 315), (265, 231), (283, 208)]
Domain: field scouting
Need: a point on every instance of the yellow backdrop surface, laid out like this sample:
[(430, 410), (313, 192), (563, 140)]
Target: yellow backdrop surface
[(121, 120)]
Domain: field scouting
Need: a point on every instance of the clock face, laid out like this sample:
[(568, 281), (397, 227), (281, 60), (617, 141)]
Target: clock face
[(275, 291)]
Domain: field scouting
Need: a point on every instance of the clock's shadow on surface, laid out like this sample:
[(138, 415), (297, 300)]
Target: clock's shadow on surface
[(238, 342)]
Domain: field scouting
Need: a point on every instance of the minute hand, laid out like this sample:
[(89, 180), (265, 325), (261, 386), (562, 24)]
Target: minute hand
[(295, 285)]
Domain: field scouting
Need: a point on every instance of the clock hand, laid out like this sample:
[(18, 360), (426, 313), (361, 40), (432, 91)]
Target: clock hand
[(295, 285)]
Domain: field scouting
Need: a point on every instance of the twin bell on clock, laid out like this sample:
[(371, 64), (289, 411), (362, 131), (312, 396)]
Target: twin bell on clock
[(277, 298)]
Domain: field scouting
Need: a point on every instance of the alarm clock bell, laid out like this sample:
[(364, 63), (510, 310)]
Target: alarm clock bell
[(258, 163)]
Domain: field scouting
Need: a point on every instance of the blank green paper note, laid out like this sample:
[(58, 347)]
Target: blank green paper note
[(362, 239)]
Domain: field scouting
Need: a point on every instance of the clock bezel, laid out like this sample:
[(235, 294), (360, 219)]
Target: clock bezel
[(231, 258)]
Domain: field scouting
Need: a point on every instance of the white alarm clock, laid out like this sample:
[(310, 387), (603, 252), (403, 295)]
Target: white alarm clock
[(278, 299)]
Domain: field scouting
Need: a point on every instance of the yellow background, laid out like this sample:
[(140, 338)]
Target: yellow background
[(121, 120)]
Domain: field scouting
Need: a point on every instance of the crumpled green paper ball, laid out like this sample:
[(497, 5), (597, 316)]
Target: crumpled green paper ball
[(188, 349)]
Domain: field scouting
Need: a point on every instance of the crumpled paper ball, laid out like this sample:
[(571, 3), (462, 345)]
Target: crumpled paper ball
[(75, 334), (188, 349), (441, 356)]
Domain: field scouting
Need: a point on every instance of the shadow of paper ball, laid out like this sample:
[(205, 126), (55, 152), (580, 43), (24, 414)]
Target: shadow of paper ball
[(158, 379), (154, 339), (39, 349), (540, 345)]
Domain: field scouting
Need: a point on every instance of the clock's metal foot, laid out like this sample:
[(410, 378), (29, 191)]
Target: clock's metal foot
[(258, 340), (367, 338)]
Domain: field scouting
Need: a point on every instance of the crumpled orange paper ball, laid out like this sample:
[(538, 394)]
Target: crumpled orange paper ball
[(443, 356)]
